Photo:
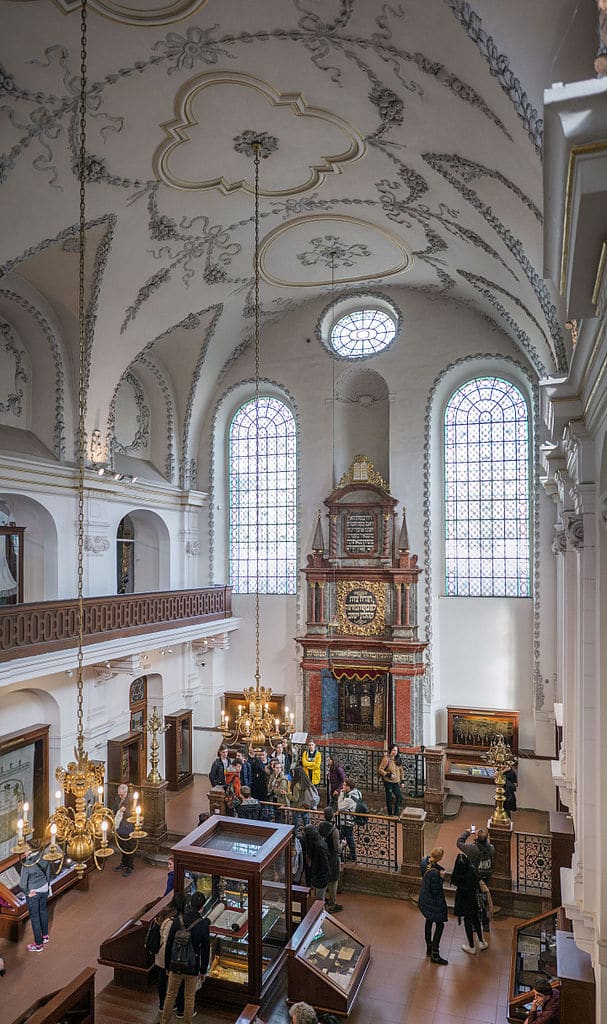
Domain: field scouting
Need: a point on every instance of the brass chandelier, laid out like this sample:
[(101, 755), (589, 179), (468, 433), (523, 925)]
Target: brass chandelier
[(80, 830), (254, 724)]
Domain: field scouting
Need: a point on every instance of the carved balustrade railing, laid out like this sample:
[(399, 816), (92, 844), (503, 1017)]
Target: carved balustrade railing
[(31, 629), (533, 863)]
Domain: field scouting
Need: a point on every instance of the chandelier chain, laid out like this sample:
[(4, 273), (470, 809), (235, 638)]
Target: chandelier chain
[(81, 363), (257, 158)]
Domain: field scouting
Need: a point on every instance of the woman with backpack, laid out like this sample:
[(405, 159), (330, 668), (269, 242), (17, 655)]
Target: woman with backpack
[(158, 934), (303, 795), (317, 861), (186, 956)]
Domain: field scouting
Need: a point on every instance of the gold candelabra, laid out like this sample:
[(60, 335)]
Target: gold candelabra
[(500, 757), (156, 728), (255, 723)]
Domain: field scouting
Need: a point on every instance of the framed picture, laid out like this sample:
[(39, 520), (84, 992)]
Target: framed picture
[(474, 729), (137, 721)]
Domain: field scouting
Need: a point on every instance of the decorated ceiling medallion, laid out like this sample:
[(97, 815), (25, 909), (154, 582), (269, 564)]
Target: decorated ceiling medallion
[(216, 103), (146, 13), (320, 249)]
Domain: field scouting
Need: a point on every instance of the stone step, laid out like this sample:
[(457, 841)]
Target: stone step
[(452, 806)]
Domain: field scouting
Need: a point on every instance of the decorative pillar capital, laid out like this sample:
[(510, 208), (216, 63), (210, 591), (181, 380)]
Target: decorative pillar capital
[(574, 531), (559, 541)]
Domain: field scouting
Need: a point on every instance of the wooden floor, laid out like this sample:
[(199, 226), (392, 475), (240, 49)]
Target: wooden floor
[(401, 985)]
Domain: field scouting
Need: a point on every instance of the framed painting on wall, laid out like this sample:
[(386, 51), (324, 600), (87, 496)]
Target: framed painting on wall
[(474, 729)]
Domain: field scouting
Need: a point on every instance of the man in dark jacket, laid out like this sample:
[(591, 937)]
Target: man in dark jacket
[(35, 881), (217, 771), (200, 942), (480, 852)]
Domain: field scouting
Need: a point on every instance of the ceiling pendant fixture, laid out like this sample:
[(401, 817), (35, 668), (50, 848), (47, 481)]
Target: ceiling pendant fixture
[(255, 724), (79, 830)]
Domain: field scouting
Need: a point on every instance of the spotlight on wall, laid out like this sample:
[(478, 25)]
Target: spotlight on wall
[(118, 476)]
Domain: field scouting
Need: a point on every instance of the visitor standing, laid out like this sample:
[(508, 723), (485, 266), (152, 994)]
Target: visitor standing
[(481, 853), (278, 788), (311, 761), (35, 881), (304, 795), (249, 807), (317, 860), (165, 921), (391, 773), (433, 906), (122, 831), (260, 768), (336, 777), (219, 767), (198, 928), (170, 875), (329, 833), (466, 883), (510, 788), (348, 802)]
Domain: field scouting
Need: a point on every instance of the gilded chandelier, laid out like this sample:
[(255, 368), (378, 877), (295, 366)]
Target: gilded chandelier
[(254, 723), (80, 829)]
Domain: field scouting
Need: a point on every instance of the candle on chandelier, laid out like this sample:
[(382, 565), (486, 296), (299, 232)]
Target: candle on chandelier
[(135, 800), (239, 710), (104, 832), (26, 808), (20, 830), (277, 723), (267, 706), (57, 798), (291, 716), (138, 815), (100, 794), (53, 836)]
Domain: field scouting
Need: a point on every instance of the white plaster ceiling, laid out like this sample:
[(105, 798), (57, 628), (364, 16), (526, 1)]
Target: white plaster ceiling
[(410, 132)]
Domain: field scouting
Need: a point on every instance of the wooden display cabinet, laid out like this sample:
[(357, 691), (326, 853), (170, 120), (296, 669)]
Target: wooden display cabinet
[(533, 956), (125, 951), (327, 963), (75, 1002), (178, 749), (244, 870), (124, 763)]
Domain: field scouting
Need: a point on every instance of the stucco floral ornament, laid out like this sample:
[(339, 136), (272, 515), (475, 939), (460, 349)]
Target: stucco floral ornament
[(332, 251), (248, 140), (196, 47), (7, 82)]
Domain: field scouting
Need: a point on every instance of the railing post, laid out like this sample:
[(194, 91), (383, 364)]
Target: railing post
[(153, 798), (501, 837), (217, 800), (434, 793), (412, 820)]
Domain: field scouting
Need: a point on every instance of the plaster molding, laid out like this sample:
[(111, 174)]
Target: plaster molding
[(95, 544), (170, 406), (574, 531), (559, 543), (13, 401), (177, 134), (142, 432), (136, 15)]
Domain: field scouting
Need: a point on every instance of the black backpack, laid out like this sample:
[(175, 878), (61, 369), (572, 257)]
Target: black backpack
[(152, 938), (184, 958), (361, 809)]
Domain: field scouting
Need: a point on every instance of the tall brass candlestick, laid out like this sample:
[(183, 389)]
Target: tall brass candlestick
[(500, 757), (155, 727)]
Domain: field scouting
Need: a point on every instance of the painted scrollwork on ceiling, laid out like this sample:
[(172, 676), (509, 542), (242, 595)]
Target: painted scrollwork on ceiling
[(130, 418), (351, 163), (13, 373)]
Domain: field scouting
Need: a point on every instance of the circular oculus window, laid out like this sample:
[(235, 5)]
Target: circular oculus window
[(362, 333)]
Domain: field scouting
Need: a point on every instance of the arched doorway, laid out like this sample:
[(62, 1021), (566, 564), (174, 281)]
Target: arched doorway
[(142, 553)]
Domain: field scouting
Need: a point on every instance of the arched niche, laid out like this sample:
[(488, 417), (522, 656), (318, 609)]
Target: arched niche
[(362, 420), (21, 709), (150, 555), (40, 546)]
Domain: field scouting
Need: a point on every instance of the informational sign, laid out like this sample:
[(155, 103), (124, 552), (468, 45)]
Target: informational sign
[(360, 606), (360, 538)]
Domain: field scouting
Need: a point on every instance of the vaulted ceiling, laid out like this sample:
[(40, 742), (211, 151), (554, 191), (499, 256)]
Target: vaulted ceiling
[(402, 146)]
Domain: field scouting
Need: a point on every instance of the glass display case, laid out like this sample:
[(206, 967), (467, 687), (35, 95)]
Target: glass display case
[(533, 957), (243, 868), (178, 749), (327, 963)]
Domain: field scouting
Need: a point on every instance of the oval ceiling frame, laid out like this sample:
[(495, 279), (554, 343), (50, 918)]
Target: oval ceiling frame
[(407, 258)]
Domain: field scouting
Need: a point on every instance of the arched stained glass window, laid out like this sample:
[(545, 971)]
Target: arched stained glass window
[(263, 489), (487, 491)]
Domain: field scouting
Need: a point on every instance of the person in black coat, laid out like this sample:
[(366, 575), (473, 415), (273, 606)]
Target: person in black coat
[(217, 771), (466, 883), (260, 768), (330, 834), (510, 787), (317, 860), (433, 906)]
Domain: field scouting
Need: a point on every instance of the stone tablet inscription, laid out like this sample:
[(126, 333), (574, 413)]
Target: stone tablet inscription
[(360, 533), (360, 606)]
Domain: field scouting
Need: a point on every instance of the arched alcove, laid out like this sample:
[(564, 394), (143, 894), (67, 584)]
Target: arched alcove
[(143, 557), (362, 420), (40, 547)]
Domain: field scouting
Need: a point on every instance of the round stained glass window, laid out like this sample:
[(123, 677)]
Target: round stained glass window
[(362, 333)]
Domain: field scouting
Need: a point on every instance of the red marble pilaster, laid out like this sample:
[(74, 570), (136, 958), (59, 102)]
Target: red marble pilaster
[(402, 709), (314, 703)]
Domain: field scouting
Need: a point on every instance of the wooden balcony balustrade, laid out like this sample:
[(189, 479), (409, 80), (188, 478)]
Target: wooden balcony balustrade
[(31, 629)]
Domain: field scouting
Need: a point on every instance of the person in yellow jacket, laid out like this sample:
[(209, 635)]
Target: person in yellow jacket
[(310, 760)]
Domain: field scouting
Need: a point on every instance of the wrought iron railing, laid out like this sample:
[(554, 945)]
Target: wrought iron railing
[(375, 835), (361, 764), (30, 629), (533, 863)]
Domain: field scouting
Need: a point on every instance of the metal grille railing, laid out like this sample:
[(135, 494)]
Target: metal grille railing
[(361, 764), (533, 863), (375, 835)]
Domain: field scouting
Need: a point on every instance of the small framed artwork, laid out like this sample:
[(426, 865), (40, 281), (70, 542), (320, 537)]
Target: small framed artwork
[(474, 729), (137, 722)]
